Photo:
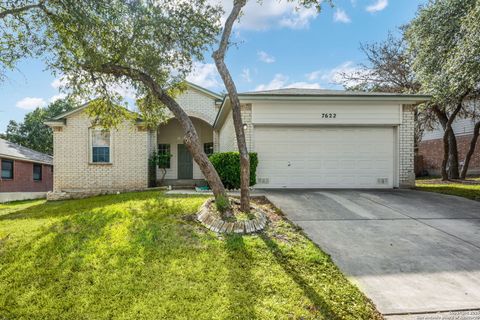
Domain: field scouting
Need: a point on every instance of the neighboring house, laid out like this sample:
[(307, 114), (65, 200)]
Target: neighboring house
[(304, 139), (25, 173), (430, 148)]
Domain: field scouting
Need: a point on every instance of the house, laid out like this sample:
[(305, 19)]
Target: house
[(305, 138), (25, 173), (430, 149)]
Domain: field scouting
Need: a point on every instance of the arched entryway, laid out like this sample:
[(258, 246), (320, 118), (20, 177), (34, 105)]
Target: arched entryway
[(182, 170)]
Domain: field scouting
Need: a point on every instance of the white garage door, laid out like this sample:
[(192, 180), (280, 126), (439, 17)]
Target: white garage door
[(325, 157)]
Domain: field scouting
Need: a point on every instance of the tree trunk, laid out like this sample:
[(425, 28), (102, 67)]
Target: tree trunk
[(453, 164), (190, 139), (192, 142), (219, 57), (471, 150), (452, 157), (446, 140)]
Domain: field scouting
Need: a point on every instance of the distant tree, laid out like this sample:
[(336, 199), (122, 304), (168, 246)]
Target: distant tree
[(389, 69), (32, 132), (443, 38)]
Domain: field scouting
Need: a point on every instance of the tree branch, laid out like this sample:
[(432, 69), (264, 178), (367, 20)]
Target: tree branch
[(18, 10)]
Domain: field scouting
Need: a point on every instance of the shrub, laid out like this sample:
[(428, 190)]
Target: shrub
[(222, 204), (227, 165)]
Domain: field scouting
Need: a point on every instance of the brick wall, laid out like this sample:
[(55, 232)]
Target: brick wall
[(432, 153), (227, 136), (23, 179), (406, 148), (198, 104), (74, 172)]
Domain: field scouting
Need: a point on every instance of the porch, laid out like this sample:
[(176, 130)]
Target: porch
[(181, 170)]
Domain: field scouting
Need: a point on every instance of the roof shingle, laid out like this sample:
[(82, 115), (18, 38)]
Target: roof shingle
[(12, 150)]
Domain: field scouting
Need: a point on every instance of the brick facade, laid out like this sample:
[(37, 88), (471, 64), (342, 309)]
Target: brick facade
[(227, 136), (23, 178), (199, 105), (74, 171), (131, 146), (406, 148), (432, 153)]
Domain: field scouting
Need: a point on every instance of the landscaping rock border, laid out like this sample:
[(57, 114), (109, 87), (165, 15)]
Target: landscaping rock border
[(218, 225)]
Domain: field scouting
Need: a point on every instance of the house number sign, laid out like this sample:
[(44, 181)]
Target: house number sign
[(329, 115)]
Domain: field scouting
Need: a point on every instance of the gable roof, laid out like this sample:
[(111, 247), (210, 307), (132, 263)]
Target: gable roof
[(15, 151), (207, 92)]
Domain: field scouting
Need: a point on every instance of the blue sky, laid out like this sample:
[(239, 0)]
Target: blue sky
[(277, 47)]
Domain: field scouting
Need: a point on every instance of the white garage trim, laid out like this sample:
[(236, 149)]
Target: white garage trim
[(327, 156)]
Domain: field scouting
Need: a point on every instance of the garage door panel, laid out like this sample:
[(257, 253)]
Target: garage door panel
[(341, 157)]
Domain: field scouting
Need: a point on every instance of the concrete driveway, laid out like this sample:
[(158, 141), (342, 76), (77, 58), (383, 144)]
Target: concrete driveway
[(408, 251)]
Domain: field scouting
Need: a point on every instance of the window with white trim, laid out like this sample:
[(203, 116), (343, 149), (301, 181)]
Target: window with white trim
[(101, 151)]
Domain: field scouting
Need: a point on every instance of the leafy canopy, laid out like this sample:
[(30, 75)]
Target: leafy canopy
[(160, 38), (443, 38)]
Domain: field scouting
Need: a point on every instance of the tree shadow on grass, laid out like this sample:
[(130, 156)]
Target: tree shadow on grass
[(290, 269), (242, 288), (59, 209), (97, 261)]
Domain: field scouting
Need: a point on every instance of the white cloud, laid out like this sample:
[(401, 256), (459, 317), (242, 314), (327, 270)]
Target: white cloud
[(299, 19), (341, 16), (265, 57), (377, 6), (335, 75), (124, 90), (280, 81), (246, 75), (304, 85), (59, 82), (205, 75), (29, 103), (57, 97), (269, 14)]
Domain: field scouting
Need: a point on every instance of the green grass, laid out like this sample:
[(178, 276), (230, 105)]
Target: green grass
[(142, 256), (469, 191)]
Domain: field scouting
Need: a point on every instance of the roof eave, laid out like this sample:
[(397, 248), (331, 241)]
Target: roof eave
[(6, 156), (205, 91), (397, 98)]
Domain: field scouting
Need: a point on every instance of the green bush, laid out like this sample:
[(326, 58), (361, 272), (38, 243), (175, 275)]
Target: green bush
[(222, 204), (227, 165)]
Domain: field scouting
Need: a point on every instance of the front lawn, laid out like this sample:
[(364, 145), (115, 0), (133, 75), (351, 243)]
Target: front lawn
[(468, 189), (142, 256)]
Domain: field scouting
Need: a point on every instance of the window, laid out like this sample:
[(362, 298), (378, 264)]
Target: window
[(37, 172), (7, 169), (208, 148), (164, 150), (100, 146)]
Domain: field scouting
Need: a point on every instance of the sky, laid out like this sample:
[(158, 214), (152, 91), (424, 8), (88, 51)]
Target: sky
[(276, 47)]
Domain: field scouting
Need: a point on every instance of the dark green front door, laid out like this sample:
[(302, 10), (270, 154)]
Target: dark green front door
[(185, 163)]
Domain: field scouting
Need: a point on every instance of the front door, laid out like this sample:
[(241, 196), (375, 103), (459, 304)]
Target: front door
[(185, 163)]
